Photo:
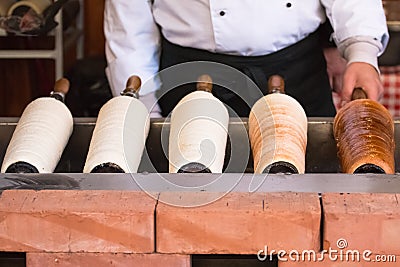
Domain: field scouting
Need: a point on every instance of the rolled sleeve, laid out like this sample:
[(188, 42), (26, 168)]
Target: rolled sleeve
[(356, 50), (357, 18)]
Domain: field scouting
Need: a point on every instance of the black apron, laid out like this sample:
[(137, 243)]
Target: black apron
[(302, 66)]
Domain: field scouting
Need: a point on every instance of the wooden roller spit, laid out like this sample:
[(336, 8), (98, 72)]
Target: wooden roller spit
[(199, 129), (120, 133), (278, 131), (41, 134), (364, 133)]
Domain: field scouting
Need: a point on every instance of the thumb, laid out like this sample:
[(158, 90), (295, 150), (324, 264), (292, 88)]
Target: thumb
[(374, 93)]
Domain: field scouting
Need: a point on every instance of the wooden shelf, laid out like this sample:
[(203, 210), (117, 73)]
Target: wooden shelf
[(72, 36)]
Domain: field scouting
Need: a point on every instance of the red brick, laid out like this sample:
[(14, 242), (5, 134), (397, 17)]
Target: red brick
[(365, 221), (238, 223), (106, 259), (76, 221)]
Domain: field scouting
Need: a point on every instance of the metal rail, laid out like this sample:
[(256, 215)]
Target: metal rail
[(322, 166), (220, 183)]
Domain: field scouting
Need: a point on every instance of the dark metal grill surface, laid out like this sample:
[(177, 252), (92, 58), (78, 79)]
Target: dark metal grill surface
[(322, 166), (321, 154)]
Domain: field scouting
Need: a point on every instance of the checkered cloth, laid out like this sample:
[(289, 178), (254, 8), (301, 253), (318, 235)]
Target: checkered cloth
[(391, 84), (391, 97)]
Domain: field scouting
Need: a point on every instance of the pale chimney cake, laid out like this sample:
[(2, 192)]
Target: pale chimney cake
[(278, 131), (199, 128), (41, 134), (120, 134)]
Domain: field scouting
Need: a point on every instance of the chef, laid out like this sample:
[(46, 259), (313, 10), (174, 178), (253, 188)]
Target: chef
[(257, 37)]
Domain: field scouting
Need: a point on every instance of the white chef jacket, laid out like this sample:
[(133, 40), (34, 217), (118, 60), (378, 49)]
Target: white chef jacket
[(235, 27)]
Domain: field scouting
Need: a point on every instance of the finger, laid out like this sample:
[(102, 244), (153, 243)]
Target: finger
[(374, 90), (330, 77), (336, 100), (372, 93), (347, 90), (337, 84), (331, 83), (380, 97), (380, 91)]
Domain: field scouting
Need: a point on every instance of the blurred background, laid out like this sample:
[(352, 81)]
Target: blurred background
[(77, 44)]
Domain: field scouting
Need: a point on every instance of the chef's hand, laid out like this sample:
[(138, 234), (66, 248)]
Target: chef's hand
[(364, 75), (336, 66)]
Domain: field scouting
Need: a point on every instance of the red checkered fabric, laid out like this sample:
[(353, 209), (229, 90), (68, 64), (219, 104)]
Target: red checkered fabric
[(390, 77), (391, 84)]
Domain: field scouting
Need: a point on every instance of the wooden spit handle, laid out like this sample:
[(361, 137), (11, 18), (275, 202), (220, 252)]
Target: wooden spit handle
[(276, 84), (132, 86), (61, 86), (204, 83), (358, 93)]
